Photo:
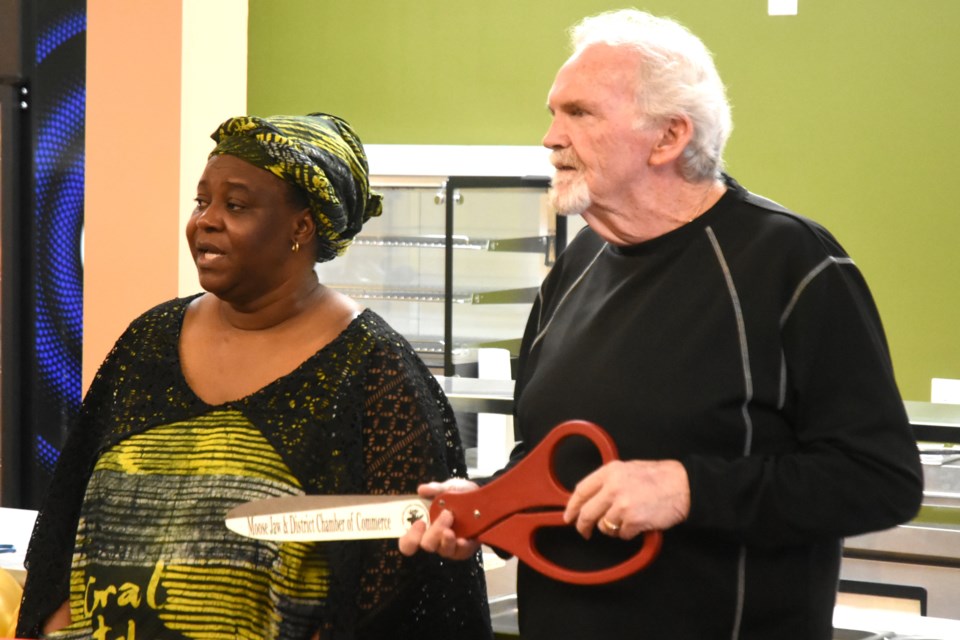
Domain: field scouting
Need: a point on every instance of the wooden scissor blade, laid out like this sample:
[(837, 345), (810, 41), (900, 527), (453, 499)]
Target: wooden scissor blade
[(328, 517)]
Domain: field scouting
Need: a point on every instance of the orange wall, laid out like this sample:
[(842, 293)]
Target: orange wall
[(132, 167), (160, 77)]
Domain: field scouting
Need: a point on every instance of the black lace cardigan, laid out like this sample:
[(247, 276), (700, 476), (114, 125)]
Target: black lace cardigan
[(363, 415)]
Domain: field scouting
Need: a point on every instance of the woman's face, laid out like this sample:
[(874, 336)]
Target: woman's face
[(242, 230)]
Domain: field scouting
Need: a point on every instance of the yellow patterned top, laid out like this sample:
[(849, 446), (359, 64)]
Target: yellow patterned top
[(145, 479)]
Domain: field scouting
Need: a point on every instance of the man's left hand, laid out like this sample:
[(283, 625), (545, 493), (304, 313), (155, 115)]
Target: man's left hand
[(625, 498)]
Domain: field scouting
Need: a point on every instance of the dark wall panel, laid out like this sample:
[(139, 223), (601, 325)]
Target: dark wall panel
[(51, 228)]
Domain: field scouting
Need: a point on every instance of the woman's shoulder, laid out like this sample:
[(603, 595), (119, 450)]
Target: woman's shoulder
[(371, 327), (382, 343), (159, 325), (168, 311)]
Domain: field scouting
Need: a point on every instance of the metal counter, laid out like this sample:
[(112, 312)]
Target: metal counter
[(924, 554), (472, 395)]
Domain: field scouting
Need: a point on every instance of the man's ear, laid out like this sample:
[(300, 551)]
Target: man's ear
[(675, 134)]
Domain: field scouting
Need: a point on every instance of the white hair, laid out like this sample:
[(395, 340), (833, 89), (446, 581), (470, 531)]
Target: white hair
[(676, 76)]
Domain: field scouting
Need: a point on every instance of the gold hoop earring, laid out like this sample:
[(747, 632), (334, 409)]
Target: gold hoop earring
[(295, 247)]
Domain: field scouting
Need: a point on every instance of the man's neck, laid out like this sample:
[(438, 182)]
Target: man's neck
[(657, 209)]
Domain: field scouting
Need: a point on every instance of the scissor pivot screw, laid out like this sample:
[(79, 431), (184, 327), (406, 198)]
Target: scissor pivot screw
[(476, 513)]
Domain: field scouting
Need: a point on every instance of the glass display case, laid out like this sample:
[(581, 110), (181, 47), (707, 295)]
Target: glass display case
[(454, 263)]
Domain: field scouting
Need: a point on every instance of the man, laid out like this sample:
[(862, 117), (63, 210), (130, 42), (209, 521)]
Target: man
[(729, 346)]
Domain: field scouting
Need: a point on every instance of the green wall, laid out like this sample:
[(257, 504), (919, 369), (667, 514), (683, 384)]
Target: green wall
[(844, 113)]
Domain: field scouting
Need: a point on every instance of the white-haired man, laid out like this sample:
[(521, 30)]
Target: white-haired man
[(729, 346)]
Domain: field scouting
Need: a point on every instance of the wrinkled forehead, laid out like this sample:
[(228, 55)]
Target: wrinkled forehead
[(596, 72)]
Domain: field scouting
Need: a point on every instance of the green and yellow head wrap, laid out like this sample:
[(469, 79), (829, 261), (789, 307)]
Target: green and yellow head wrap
[(319, 153)]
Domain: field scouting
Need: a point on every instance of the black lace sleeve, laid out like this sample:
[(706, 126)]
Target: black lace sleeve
[(410, 437), (50, 552)]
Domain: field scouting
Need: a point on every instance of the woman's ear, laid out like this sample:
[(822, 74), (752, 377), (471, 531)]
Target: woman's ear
[(675, 134), (305, 227)]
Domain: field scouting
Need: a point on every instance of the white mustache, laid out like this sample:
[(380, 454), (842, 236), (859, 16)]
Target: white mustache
[(565, 158)]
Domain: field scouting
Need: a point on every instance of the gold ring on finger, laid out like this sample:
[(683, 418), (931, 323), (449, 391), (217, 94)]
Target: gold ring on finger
[(609, 526)]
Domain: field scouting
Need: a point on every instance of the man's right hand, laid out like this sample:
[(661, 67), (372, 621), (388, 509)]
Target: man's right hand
[(439, 537)]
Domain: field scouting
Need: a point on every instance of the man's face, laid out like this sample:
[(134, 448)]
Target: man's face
[(598, 150)]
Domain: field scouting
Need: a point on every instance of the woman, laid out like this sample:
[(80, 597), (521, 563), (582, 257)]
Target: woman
[(268, 384)]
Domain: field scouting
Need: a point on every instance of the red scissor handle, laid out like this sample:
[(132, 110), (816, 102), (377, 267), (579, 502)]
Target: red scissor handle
[(494, 514), (516, 535), (530, 484)]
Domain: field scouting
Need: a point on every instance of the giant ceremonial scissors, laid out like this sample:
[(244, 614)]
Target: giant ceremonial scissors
[(505, 513)]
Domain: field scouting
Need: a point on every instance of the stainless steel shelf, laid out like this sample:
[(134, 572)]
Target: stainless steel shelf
[(932, 544), (523, 295), (934, 422), (403, 295), (530, 244), (471, 395)]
